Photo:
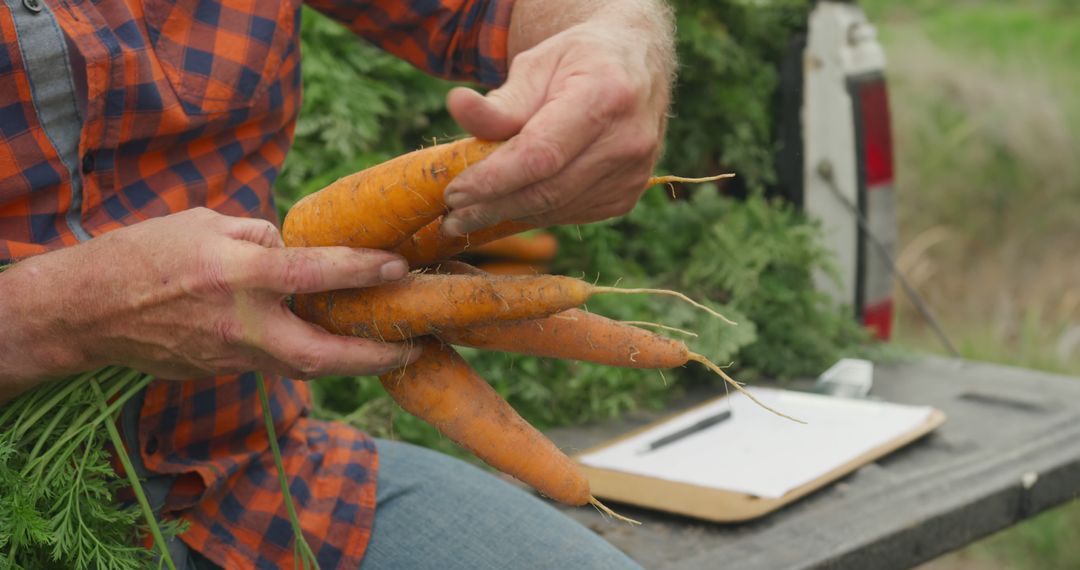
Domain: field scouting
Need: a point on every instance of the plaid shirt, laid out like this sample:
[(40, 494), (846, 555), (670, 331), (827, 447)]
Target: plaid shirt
[(184, 103)]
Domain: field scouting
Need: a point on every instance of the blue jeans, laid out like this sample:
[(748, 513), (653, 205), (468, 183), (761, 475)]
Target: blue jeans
[(433, 511)]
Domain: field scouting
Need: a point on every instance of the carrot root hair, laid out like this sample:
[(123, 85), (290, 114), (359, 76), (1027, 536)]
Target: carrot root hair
[(607, 511), (720, 372), (661, 327), (656, 180), (668, 293)]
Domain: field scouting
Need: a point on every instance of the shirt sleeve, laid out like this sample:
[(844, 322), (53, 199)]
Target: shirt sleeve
[(454, 39)]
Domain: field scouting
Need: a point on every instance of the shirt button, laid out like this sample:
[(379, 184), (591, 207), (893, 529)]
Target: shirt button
[(88, 158), (152, 445), (32, 5)]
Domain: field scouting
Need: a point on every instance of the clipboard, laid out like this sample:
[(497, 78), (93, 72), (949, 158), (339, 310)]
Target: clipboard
[(721, 505)]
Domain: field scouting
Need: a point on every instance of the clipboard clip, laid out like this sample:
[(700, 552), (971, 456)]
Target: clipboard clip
[(848, 378)]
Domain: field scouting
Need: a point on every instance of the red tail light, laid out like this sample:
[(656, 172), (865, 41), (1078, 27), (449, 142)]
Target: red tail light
[(877, 133), (876, 200)]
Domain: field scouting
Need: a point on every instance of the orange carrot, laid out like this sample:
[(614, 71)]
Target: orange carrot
[(576, 335), (528, 247), (430, 244), (514, 268), (443, 390), (423, 304), (580, 335), (383, 205)]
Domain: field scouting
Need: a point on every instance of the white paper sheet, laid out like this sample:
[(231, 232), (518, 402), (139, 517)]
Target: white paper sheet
[(758, 453)]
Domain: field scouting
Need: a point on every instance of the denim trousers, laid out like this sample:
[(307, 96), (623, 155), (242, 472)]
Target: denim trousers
[(436, 512)]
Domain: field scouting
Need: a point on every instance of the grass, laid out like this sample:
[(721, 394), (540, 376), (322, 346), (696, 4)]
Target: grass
[(985, 118)]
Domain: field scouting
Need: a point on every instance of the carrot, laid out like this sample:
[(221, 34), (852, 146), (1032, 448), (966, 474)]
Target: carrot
[(443, 390), (575, 334), (381, 206), (580, 335), (527, 248), (430, 244), (514, 268), (423, 304), (454, 267)]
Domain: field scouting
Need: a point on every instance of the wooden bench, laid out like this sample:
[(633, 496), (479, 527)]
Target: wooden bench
[(1009, 450)]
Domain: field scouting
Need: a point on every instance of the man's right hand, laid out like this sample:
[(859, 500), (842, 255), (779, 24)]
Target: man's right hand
[(188, 295)]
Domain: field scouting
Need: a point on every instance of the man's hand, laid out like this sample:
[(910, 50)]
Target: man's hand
[(188, 295), (584, 110)]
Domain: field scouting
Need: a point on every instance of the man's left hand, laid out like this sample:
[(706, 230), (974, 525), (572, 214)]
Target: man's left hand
[(584, 114)]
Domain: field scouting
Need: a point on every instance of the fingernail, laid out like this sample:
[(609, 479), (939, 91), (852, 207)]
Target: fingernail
[(454, 227), (457, 200), (393, 270)]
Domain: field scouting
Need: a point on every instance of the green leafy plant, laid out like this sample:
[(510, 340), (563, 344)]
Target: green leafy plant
[(58, 489)]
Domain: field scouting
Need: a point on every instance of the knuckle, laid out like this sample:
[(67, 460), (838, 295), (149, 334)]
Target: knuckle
[(269, 230), (543, 159), (308, 363), (524, 61), (613, 210), (620, 96), (386, 357), (545, 197), (229, 331), (622, 207), (206, 215), (482, 217), (211, 276), (297, 273), (641, 146)]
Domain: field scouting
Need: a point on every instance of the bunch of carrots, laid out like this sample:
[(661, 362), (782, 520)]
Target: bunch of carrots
[(398, 206)]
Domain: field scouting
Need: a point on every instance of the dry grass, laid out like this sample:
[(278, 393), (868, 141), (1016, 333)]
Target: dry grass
[(989, 178)]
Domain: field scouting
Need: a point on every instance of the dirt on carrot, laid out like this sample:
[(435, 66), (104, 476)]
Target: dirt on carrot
[(424, 303), (382, 206), (443, 390)]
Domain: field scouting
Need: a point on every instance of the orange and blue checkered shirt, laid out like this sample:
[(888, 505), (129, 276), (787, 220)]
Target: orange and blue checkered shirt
[(115, 111)]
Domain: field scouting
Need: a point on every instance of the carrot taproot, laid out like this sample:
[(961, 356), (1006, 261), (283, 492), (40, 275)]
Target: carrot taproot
[(423, 304), (575, 334), (442, 389), (430, 244), (514, 268), (381, 206), (532, 247), (580, 335)]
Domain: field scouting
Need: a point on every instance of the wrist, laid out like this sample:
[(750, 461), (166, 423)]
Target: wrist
[(648, 24), (34, 341), (651, 28)]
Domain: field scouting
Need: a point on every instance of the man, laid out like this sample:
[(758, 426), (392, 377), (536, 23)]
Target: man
[(157, 127)]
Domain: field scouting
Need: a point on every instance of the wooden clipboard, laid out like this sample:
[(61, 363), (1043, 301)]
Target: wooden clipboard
[(714, 504)]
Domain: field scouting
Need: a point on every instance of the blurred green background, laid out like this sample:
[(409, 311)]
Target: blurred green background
[(985, 117)]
